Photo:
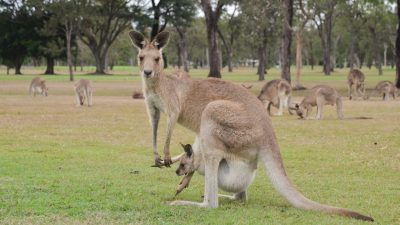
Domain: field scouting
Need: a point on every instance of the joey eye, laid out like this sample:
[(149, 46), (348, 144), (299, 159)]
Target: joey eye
[(157, 59)]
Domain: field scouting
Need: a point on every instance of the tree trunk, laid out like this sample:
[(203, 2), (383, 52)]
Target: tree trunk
[(312, 59), (385, 47), (299, 46), (18, 66), (182, 49), (68, 33), (376, 50), (333, 58), (179, 54), (351, 55), (230, 56), (50, 66), (398, 46), (261, 63), (287, 39), (213, 52), (212, 17), (327, 54)]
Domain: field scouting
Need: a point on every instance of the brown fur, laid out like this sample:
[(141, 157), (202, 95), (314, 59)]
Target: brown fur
[(38, 85), (181, 73), (247, 86), (385, 88), (319, 96), (83, 92), (356, 78), (231, 131), (276, 93)]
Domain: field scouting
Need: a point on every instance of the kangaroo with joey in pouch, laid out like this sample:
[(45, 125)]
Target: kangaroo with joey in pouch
[(230, 127), (38, 86), (276, 93)]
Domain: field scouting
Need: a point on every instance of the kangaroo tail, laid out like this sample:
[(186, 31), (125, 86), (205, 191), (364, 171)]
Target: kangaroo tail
[(276, 171)]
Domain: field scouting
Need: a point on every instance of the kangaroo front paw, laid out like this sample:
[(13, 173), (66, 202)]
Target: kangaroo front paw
[(158, 162), (167, 161)]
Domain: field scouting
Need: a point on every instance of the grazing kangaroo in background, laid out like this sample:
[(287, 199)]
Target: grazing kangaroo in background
[(277, 93), (229, 123), (386, 88), (356, 78), (83, 91), (320, 95), (38, 85)]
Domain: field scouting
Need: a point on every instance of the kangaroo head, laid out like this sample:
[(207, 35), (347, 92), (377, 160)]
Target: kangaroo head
[(186, 164), (299, 109), (150, 59)]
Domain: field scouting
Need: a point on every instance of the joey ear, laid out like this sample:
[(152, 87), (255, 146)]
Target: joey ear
[(188, 149), (138, 39), (161, 40)]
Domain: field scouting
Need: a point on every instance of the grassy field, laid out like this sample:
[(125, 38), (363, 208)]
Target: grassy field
[(61, 164)]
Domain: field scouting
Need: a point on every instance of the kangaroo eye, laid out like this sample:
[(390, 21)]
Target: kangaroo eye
[(157, 59), (141, 58)]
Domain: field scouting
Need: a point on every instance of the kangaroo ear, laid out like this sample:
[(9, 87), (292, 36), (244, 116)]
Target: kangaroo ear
[(138, 39), (161, 40)]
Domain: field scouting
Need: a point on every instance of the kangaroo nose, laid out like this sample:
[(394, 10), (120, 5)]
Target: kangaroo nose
[(147, 72)]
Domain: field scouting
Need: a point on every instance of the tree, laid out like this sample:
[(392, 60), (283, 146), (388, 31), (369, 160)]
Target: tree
[(304, 16), (233, 25), (102, 22), (212, 17), (261, 18), (19, 38), (286, 38), (324, 18)]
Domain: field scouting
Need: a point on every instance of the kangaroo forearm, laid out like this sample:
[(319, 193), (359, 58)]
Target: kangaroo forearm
[(170, 127), (154, 119)]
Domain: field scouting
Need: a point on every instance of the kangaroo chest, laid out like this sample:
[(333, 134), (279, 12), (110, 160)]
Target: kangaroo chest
[(154, 100)]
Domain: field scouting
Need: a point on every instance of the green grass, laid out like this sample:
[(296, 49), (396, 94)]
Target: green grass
[(65, 165)]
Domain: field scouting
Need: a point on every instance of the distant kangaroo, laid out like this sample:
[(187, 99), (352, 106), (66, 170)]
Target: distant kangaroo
[(83, 92), (356, 78), (319, 96), (277, 93), (387, 88), (38, 85), (230, 126)]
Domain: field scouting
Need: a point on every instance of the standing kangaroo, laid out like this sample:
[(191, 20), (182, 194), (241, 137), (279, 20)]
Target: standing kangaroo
[(229, 124), (38, 85), (387, 88), (276, 93), (320, 95), (356, 78), (83, 91)]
